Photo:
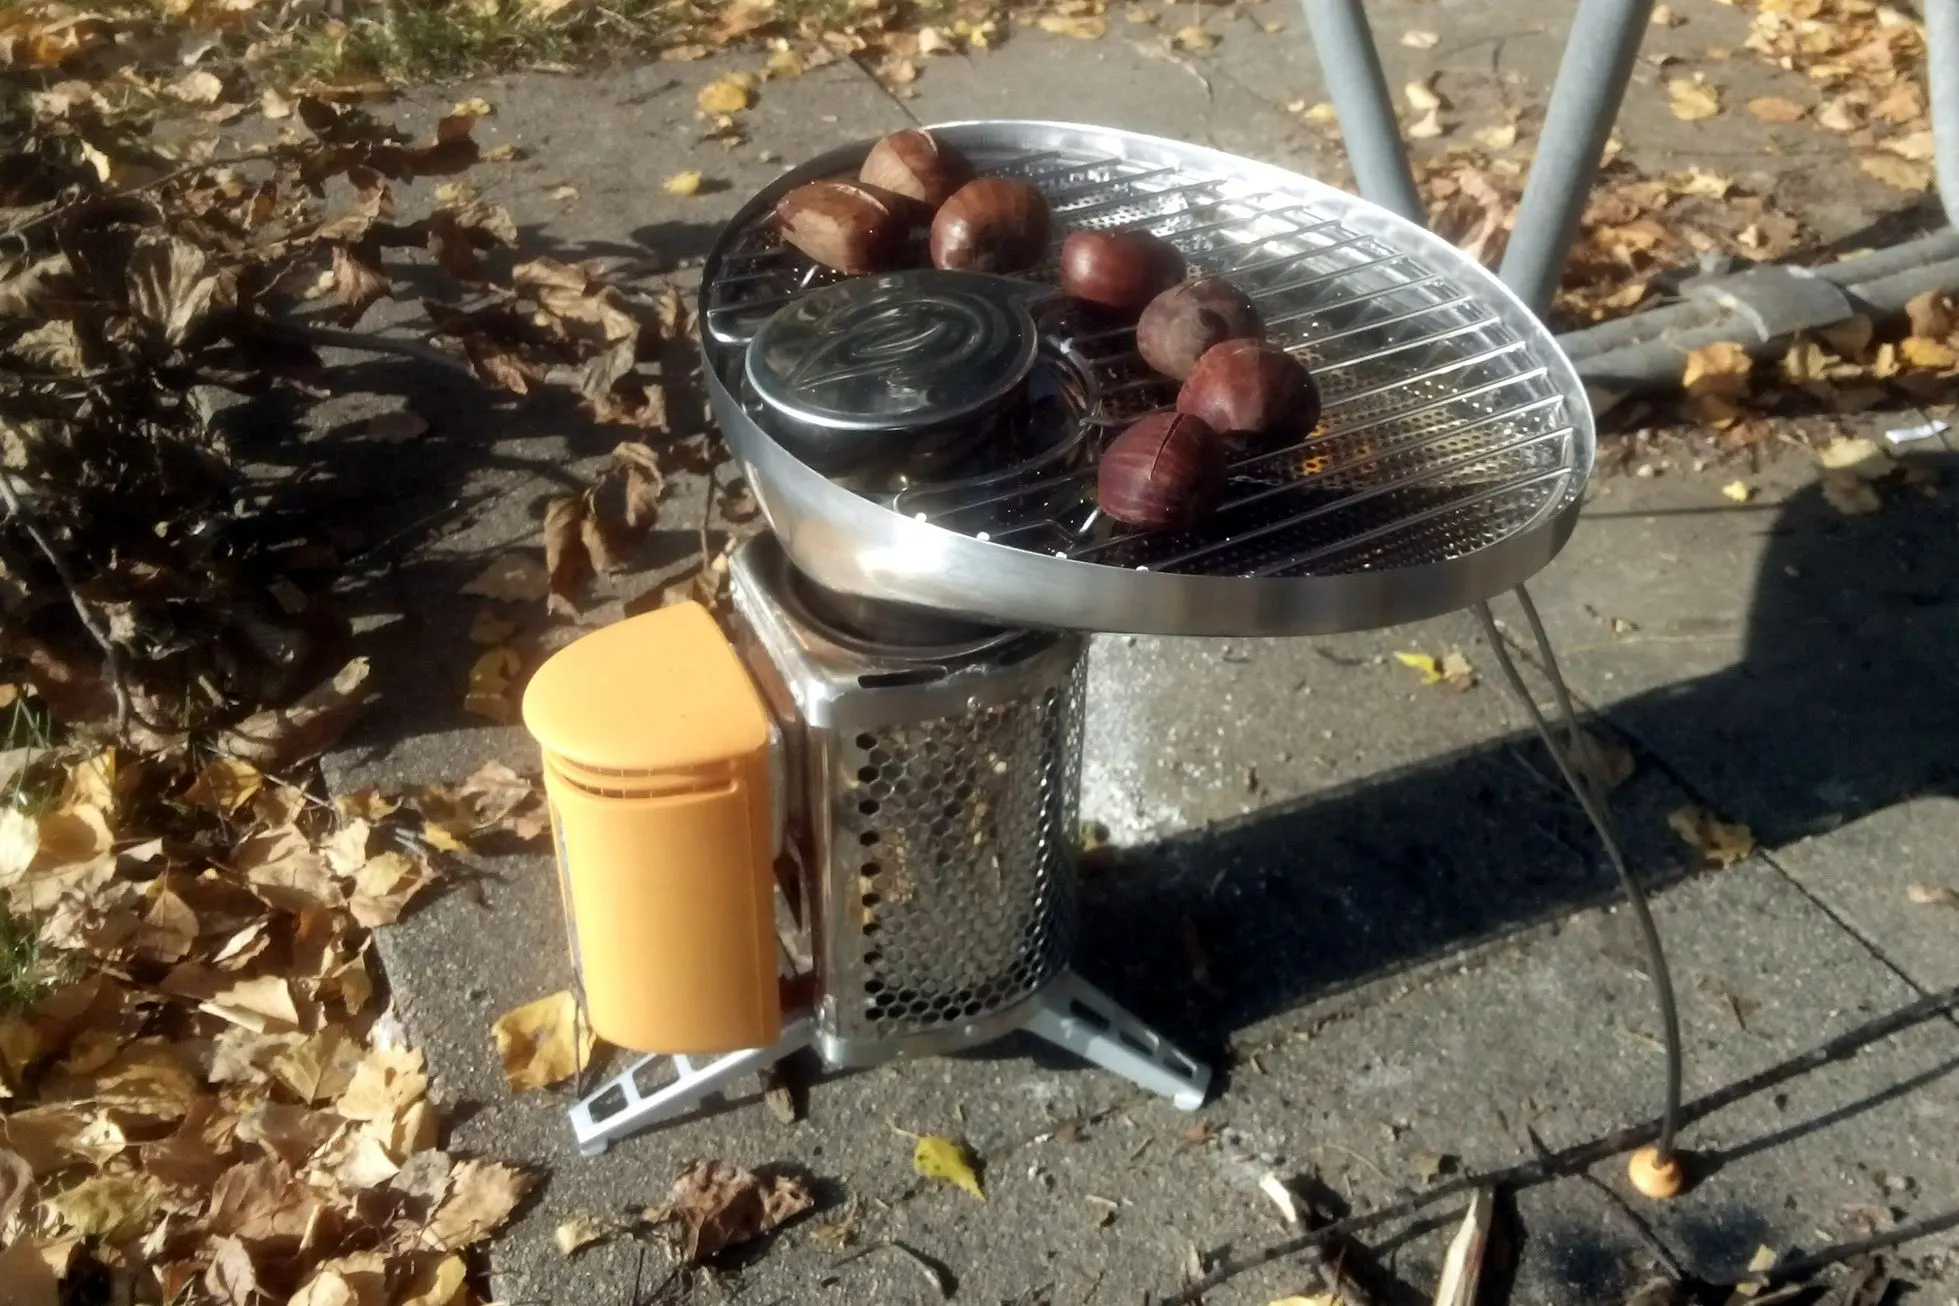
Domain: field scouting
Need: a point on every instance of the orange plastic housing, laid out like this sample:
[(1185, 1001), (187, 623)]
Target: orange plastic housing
[(656, 763)]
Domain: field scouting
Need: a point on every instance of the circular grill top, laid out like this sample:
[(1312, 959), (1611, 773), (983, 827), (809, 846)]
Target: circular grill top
[(1449, 465)]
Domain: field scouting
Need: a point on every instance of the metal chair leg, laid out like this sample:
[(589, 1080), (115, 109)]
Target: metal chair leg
[(1352, 67)]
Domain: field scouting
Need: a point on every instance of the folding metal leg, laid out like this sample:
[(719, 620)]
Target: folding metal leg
[(622, 1107), (1075, 1015), (1592, 76), (1359, 89)]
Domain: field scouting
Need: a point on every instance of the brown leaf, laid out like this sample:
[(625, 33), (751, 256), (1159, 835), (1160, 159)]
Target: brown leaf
[(107, 1206), (1722, 843), (1772, 108), (224, 785), (25, 1276), (565, 557), (383, 888), (1925, 895), (259, 1201), (170, 287), (169, 927), (437, 1283), (275, 740), (1933, 314), (719, 1205), (543, 1042), (578, 1232), (357, 280), (231, 1277), (1903, 174), (482, 1194), (1692, 98), (320, 1068), (16, 1186)]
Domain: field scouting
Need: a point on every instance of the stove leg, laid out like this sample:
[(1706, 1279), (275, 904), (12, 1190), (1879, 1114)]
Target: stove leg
[(622, 1107), (1075, 1015)]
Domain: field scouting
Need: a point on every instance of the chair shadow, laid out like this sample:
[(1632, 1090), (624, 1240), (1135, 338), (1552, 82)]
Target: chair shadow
[(1841, 705)]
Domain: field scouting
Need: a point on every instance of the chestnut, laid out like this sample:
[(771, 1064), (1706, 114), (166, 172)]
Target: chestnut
[(1184, 321), (1249, 387), (1166, 469), (1119, 270), (845, 225), (916, 164), (995, 224)]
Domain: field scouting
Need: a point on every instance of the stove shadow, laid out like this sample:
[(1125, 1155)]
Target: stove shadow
[(1843, 704)]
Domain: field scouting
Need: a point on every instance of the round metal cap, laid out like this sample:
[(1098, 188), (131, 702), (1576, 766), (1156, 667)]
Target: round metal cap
[(896, 352)]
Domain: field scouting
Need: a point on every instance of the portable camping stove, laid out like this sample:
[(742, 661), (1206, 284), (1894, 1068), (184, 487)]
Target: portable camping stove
[(923, 448)]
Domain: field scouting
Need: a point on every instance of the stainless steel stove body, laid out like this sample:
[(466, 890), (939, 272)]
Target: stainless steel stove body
[(932, 777)]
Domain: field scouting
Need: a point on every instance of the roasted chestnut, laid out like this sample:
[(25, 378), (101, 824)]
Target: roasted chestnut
[(845, 225), (1119, 270), (916, 164), (1166, 469), (1251, 388), (1185, 321), (995, 224)]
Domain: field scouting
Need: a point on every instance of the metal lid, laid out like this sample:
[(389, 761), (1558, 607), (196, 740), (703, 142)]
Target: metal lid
[(902, 351)]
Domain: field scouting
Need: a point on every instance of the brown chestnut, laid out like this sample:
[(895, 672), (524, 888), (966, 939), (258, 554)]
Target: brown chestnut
[(1184, 321), (1166, 469), (916, 164), (1119, 270), (1249, 387), (995, 224), (844, 225)]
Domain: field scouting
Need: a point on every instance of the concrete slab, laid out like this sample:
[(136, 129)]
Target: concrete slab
[(1445, 1066), (1786, 659), (1864, 872)]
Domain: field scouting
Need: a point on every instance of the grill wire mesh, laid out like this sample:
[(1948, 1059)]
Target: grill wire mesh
[(956, 835), (1443, 430)]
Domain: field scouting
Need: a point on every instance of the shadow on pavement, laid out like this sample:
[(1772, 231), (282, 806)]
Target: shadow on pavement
[(1843, 704)]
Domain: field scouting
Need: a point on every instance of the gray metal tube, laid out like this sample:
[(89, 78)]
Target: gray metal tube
[(1942, 59), (1592, 78), (1359, 90)]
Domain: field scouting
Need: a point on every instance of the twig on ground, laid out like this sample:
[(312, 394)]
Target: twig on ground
[(91, 620), (333, 338), (157, 183)]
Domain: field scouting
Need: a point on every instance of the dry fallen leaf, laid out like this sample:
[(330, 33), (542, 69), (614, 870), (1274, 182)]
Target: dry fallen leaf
[(1452, 669), (1086, 27), (938, 1157), (1693, 99), (719, 1205), (579, 1231), (1738, 491), (1932, 313), (1903, 174), (543, 1042), (277, 739), (1932, 895), (1416, 39), (1773, 108), (1193, 38), (513, 578), (1932, 355), (1663, 16), (224, 785), (684, 183), (729, 94), (1721, 842), (482, 1194)]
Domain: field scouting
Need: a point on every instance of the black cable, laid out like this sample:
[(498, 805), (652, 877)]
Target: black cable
[(1592, 801)]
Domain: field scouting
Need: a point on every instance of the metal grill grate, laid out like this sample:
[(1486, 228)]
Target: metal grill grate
[(1451, 422)]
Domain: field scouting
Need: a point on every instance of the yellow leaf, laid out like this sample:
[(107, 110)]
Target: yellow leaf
[(385, 1083), (1317, 1299), (1858, 456), (1430, 668), (1193, 38), (1663, 16), (1087, 29), (1921, 352), (320, 1068), (729, 94), (1500, 137), (1773, 108), (937, 1157), (785, 62), (1693, 99), (543, 1042), (1722, 842), (684, 183), (1738, 491), (1720, 370), (1418, 40), (474, 107), (224, 786), (579, 1231)]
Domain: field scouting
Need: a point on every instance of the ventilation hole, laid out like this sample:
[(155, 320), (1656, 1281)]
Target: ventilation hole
[(870, 928), (869, 869), (871, 899), (609, 1103), (873, 958), (867, 773), (1088, 1015), (873, 986), (868, 807), (867, 838), (867, 742)]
